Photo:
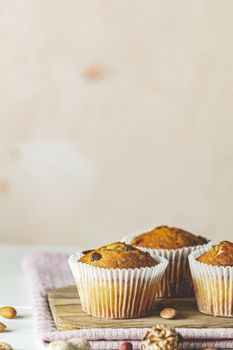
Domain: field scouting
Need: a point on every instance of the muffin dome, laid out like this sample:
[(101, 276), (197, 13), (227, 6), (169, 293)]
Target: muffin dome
[(219, 255), (118, 256), (164, 237)]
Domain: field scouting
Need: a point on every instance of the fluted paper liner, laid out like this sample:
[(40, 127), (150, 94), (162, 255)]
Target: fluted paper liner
[(213, 286), (116, 293), (177, 280)]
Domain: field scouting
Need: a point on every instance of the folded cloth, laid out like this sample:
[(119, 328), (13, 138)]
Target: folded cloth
[(46, 271)]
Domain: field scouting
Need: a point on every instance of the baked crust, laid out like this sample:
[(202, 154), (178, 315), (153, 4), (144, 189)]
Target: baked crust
[(164, 237), (118, 255), (219, 255)]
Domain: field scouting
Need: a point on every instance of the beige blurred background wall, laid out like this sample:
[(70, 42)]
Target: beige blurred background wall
[(115, 116)]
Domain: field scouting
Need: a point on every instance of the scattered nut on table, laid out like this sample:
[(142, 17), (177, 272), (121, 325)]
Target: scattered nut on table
[(5, 346), (70, 344), (168, 313), (60, 345), (2, 327), (160, 337), (126, 346), (80, 344), (7, 312)]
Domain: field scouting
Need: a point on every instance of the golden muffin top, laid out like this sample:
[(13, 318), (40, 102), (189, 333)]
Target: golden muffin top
[(219, 255), (164, 237), (117, 256)]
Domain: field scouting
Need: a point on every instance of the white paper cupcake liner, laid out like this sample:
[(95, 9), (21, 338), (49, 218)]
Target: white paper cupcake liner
[(177, 280), (213, 286), (116, 293)]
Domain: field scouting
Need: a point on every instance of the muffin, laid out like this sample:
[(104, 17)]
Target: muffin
[(117, 280), (175, 245), (212, 272)]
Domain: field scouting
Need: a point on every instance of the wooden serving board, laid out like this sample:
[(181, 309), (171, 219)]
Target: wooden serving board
[(68, 315)]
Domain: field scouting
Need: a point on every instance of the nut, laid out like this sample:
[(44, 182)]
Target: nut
[(60, 345), (160, 337), (80, 344), (168, 313), (126, 346), (5, 346), (7, 312), (2, 328)]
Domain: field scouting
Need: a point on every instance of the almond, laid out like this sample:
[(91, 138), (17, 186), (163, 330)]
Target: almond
[(168, 313), (2, 327), (7, 312)]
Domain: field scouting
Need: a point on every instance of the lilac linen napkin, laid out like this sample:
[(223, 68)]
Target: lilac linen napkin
[(46, 271)]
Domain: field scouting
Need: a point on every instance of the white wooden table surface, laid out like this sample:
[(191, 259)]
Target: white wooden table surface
[(13, 292)]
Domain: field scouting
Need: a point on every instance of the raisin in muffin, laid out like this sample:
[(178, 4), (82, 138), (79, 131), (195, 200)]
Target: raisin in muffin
[(117, 280), (175, 244), (212, 272)]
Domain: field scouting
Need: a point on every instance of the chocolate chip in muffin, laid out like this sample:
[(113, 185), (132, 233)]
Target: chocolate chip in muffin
[(96, 257), (87, 251)]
